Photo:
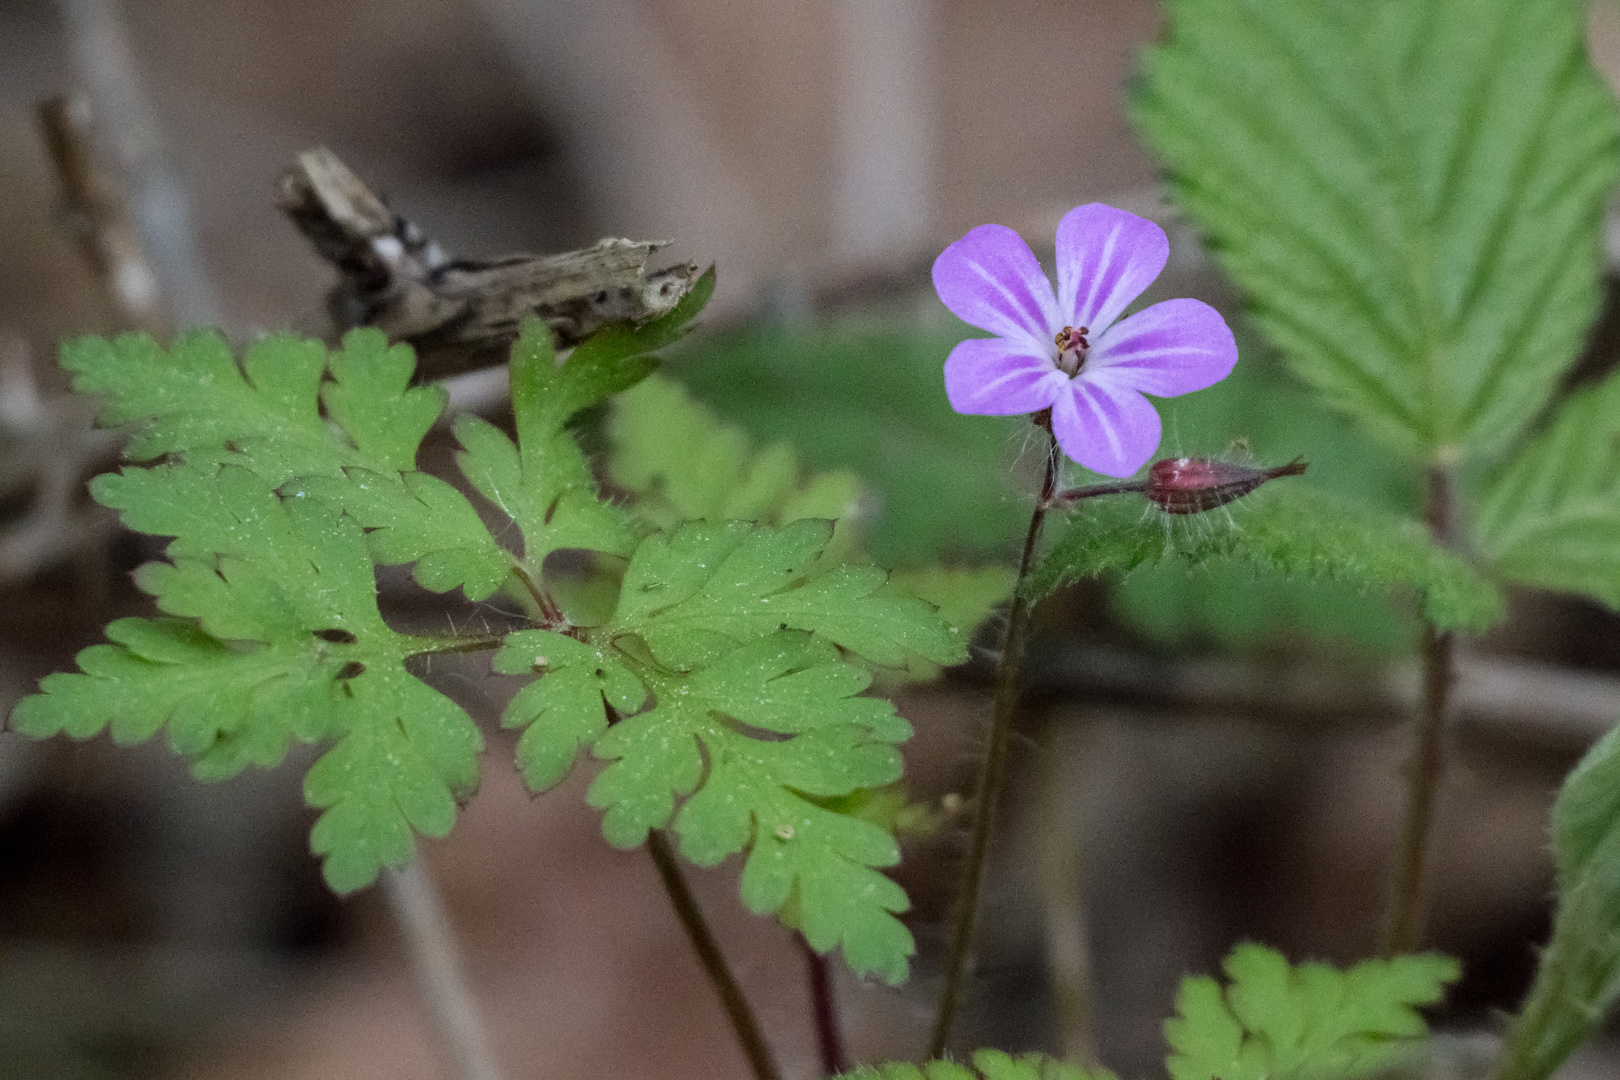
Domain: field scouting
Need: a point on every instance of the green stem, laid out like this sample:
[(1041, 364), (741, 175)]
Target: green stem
[(993, 775), (1404, 917), (707, 948)]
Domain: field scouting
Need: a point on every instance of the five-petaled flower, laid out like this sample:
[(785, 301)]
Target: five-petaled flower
[(1065, 352)]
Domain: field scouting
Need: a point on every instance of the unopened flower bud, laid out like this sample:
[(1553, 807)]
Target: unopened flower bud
[(1189, 485)]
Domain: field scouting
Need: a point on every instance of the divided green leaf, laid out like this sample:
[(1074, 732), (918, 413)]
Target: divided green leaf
[(1306, 1022), (683, 464), (1551, 518), (693, 594), (1409, 190), (278, 638), (1293, 531), (987, 1065), (752, 739), (756, 729), (544, 483)]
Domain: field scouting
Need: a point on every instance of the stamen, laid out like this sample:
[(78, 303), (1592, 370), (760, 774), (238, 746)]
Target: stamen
[(1072, 345)]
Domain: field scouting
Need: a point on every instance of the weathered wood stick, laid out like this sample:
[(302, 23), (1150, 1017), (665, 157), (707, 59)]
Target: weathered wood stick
[(461, 314)]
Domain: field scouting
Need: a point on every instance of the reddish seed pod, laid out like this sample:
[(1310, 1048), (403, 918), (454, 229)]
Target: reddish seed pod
[(1193, 485)]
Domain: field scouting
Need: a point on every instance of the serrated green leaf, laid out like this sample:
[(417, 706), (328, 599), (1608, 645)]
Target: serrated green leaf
[(684, 464), (286, 643), (1291, 530), (1551, 517), (987, 1065), (692, 595), (1305, 1022), (1578, 981), (752, 738), (1409, 190)]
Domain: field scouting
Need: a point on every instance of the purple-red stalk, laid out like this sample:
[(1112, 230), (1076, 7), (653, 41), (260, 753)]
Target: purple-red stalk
[(1188, 485)]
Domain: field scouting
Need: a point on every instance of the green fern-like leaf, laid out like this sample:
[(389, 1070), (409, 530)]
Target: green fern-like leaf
[(684, 464), (279, 639), (987, 1065), (1409, 190), (756, 724), (1293, 531), (1307, 1022), (694, 594)]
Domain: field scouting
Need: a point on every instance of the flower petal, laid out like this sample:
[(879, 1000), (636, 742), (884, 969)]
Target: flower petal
[(1110, 429), (995, 377), (990, 279), (1171, 348), (1105, 258)]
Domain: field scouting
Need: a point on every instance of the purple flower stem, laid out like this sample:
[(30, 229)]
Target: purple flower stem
[(1091, 491), (993, 775), (1404, 916), (824, 1007)]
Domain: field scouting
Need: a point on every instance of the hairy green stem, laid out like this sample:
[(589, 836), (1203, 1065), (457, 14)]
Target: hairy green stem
[(993, 774), (1404, 917), (470, 643), (707, 948)]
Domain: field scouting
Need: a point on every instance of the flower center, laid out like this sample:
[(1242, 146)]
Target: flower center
[(1072, 345)]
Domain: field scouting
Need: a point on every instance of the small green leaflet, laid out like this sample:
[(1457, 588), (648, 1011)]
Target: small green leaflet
[(1309, 1022), (1551, 517), (1409, 190), (987, 1065), (1578, 981), (753, 793), (544, 483), (693, 594), (1292, 530), (562, 711), (286, 643)]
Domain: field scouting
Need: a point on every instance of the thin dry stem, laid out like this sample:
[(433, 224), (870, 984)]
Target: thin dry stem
[(419, 913), (1062, 882)]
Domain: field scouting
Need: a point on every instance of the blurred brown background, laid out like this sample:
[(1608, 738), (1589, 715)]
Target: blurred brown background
[(154, 927)]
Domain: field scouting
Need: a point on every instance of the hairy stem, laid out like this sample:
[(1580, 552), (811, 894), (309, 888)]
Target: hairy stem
[(993, 774), (470, 643), (536, 589), (725, 983), (1404, 916), (824, 1008), (436, 960)]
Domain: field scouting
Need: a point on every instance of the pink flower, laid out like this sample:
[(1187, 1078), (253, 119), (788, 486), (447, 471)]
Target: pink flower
[(1065, 351)]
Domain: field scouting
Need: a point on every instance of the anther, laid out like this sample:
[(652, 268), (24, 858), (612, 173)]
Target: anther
[(1072, 345)]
